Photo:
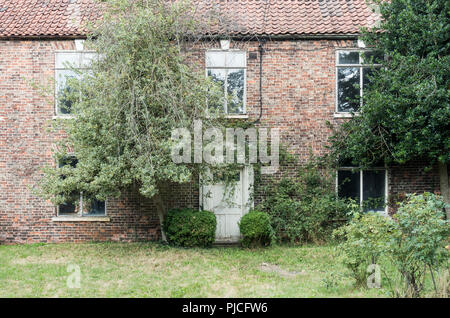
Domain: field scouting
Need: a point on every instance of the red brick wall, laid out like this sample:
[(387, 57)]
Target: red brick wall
[(26, 145), (298, 97), (414, 177)]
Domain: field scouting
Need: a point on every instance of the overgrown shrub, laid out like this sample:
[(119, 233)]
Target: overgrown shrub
[(366, 238), (256, 229), (188, 228), (418, 243), (304, 207), (413, 242)]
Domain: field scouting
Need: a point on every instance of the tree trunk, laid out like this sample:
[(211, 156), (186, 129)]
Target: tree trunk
[(161, 209), (444, 183)]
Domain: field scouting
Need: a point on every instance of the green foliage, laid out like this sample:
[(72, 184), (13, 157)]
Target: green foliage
[(256, 229), (413, 241), (332, 280), (365, 240), (406, 108), (188, 228), (125, 107), (419, 240), (304, 207)]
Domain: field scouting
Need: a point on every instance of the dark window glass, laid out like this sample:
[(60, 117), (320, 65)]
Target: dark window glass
[(97, 208), (67, 208), (367, 76), (70, 160), (373, 57), (346, 162), (348, 89), (349, 57), (235, 91), (349, 184), (65, 104), (373, 190)]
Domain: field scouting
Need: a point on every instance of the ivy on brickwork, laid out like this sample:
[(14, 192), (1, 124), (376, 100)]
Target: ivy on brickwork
[(301, 200)]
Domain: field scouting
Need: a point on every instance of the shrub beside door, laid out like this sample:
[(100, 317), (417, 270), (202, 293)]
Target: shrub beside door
[(189, 228)]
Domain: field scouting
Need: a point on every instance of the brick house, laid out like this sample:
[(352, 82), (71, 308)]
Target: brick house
[(310, 52)]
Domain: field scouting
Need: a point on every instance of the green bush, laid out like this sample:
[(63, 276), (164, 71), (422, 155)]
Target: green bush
[(188, 228), (256, 229), (304, 207), (419, 240), (365, 239), (413, 242)]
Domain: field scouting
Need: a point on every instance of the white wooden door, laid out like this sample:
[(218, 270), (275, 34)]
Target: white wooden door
[(228, 204)]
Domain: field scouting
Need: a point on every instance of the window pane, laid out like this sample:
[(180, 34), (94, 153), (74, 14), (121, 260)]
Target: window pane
[(71, 161), (215, 59), (67, 59), (349, 184), (64, 90), (349, 57), (235, 91), (348, 90), (218, 76), (97, 208), (86, 59), (346, 162), (373, 190), (67, 208), (367, 74), (372, 57), (236, 59)]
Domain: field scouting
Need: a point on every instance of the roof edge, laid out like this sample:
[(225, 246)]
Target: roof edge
[(41, 37), (333, 36), (282, 37)]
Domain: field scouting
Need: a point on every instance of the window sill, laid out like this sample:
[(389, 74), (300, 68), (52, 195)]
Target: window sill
[(81, 219), (344, 115), (237, 116), (63, 117)]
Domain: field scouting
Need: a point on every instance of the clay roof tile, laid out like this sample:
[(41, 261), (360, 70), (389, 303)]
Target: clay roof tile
[(22, 18)]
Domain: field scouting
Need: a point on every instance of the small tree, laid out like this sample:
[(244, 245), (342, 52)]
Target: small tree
[(138, 90), (418, 241), (406, 109), (365, 241)]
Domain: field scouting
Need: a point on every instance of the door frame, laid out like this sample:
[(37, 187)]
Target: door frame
[(247, 177)]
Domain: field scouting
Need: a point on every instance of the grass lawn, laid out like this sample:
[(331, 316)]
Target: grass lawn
[(154, 270)]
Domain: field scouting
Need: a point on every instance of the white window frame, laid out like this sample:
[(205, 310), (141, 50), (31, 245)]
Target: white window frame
[(361, 66), (64, 68), (361, 185), (244, 97), (80, 212)]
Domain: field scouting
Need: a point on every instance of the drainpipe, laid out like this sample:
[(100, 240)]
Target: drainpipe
[(261, 52)]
